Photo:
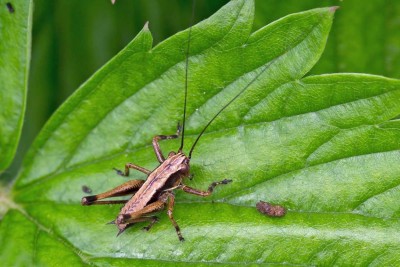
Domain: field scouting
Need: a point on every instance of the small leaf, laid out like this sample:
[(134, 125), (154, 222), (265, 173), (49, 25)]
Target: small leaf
[(15, 36), (325, 147)]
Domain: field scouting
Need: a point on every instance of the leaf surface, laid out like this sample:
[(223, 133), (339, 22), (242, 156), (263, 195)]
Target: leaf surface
[(15, 45), (324, 146)]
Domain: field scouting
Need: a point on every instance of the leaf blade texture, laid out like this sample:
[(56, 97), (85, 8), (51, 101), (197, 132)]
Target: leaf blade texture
[(323, 146), (15, 35)]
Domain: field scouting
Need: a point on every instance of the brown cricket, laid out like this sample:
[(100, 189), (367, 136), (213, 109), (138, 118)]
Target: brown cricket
[(157, 192)]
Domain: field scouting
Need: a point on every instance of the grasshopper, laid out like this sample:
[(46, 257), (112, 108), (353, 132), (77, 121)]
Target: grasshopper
[(157, 192)]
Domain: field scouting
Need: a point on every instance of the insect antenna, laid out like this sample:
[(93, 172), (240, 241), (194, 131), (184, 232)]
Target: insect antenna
[(186, 78), (227, 104)]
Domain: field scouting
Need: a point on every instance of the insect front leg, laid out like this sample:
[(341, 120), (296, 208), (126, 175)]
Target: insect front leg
[(127, 188), (201, 193), (154, 219), (143, 213), (156, 145), (132, 166), (122, 227)]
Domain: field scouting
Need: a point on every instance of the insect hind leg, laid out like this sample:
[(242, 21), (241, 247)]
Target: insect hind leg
[(127, 188)]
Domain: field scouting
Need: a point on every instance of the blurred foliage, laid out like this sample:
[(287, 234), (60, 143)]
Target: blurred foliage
[(364, 36), (15, 34)]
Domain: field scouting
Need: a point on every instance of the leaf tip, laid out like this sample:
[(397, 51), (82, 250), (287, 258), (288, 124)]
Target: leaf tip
[(146, 26), (334, 8)]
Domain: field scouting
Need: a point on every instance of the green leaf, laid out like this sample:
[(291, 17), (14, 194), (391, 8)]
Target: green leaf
[(325, 147), (361, 40), (15, 36)]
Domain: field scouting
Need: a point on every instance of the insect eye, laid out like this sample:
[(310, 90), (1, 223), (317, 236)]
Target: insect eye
[(172, 153)]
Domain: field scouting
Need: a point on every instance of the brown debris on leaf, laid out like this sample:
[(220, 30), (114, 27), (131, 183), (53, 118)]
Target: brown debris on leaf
[(86, 189), (270, 210)]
